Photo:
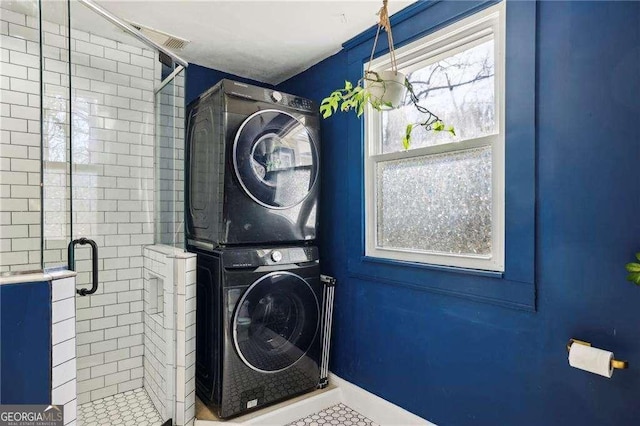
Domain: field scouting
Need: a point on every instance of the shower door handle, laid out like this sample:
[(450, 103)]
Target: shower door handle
[(94, 258)]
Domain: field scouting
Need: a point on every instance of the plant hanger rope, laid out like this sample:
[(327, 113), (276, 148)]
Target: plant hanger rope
[(385, 23), (382, 90)]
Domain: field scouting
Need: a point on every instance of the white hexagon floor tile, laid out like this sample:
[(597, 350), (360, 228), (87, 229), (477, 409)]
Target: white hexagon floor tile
[(131, 408), (338, 414)]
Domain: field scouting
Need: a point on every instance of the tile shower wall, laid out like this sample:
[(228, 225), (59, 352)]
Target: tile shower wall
[(20, 141), (20, 231), (170, 163), (113, 182), (158, 328), (112, 178), (170, 286), (185, 338), (63, 340)]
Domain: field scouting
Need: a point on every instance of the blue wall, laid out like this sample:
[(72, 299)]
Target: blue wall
[(25, 344), (461, 362)]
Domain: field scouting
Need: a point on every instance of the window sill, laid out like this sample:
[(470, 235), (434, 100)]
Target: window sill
[(432, 267)]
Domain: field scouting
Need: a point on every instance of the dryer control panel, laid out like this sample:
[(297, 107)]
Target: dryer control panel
[(268, 95), (252, 258), (287, 100)]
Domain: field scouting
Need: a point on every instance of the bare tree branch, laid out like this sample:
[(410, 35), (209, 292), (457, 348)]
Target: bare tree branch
[(450, 86)]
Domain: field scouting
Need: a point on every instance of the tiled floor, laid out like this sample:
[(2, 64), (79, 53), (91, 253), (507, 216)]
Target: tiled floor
[(132, 408), (338, 414)]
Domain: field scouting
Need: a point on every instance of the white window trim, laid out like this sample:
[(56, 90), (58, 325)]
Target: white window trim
[(445, 42)]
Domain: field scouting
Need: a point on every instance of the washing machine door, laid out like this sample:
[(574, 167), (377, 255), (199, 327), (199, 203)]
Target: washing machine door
[(275, 322), (275, 159)]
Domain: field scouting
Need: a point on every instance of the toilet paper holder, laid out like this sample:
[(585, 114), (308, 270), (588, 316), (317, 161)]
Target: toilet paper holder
[(617, 364)]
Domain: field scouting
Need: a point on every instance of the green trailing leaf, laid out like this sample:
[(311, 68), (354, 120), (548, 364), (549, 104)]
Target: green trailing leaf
[(325, 109), (365, 97), (334, 104), (406, 140), (409, 129), (634, 271), (633, 267), (346, 105), (356, 97)]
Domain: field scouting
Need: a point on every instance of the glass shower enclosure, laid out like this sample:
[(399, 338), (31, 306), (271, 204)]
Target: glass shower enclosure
[(92, 180)]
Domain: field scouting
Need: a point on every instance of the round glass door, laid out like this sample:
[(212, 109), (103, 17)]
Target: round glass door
[(275, 159), (275, 322)]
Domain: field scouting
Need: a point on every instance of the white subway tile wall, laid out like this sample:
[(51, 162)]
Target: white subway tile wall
[(113, 182), (170, 163), (56, 168), (189, 327), (112, 112), (19, 143), (158, 364), (63, 340), (170, 340)]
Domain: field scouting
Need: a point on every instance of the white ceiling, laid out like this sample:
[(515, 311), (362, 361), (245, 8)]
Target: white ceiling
[(268, 41)]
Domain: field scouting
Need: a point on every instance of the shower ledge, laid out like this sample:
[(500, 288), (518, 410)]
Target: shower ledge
[(170, 251), (31, 277)]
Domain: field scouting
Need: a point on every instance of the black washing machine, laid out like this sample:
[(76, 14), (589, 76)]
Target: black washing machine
[(258, 326), (252, 167)]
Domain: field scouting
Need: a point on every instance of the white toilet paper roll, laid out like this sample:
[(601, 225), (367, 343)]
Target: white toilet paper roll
[(591, 359)]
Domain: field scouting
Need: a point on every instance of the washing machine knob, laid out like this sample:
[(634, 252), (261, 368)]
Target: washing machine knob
[(276, 256), (276, 96)]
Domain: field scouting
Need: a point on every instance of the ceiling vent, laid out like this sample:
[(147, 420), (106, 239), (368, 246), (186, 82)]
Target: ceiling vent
[(167, 40)]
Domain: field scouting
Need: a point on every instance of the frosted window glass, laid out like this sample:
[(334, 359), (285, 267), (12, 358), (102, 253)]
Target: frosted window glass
[(459, 89), (438, 203)]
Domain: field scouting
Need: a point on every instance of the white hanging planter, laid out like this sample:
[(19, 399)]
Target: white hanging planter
[(387, 88), (382, 90)]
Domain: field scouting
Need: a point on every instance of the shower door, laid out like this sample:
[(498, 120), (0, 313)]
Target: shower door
[(91, 154), (116, 198), (169, 157), (112, 175)]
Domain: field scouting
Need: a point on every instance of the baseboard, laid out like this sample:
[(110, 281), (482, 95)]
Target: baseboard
[(380, 411), (377, 409)]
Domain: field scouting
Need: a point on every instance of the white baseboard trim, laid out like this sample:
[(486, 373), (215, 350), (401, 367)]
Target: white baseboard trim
[(372, 406), (377, 409)]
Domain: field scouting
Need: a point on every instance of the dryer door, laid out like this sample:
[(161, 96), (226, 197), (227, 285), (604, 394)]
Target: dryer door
[(275, 322), (275, 159)]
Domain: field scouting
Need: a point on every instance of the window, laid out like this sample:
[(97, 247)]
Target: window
[(442, 201)]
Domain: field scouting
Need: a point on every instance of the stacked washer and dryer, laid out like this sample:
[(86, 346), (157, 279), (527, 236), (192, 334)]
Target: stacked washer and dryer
[(251, 216)]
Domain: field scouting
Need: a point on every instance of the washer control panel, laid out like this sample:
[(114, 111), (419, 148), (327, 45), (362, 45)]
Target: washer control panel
[(253, 258)]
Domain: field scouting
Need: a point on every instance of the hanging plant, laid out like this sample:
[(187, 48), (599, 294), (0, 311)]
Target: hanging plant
[(382, 90), (633, 269)]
